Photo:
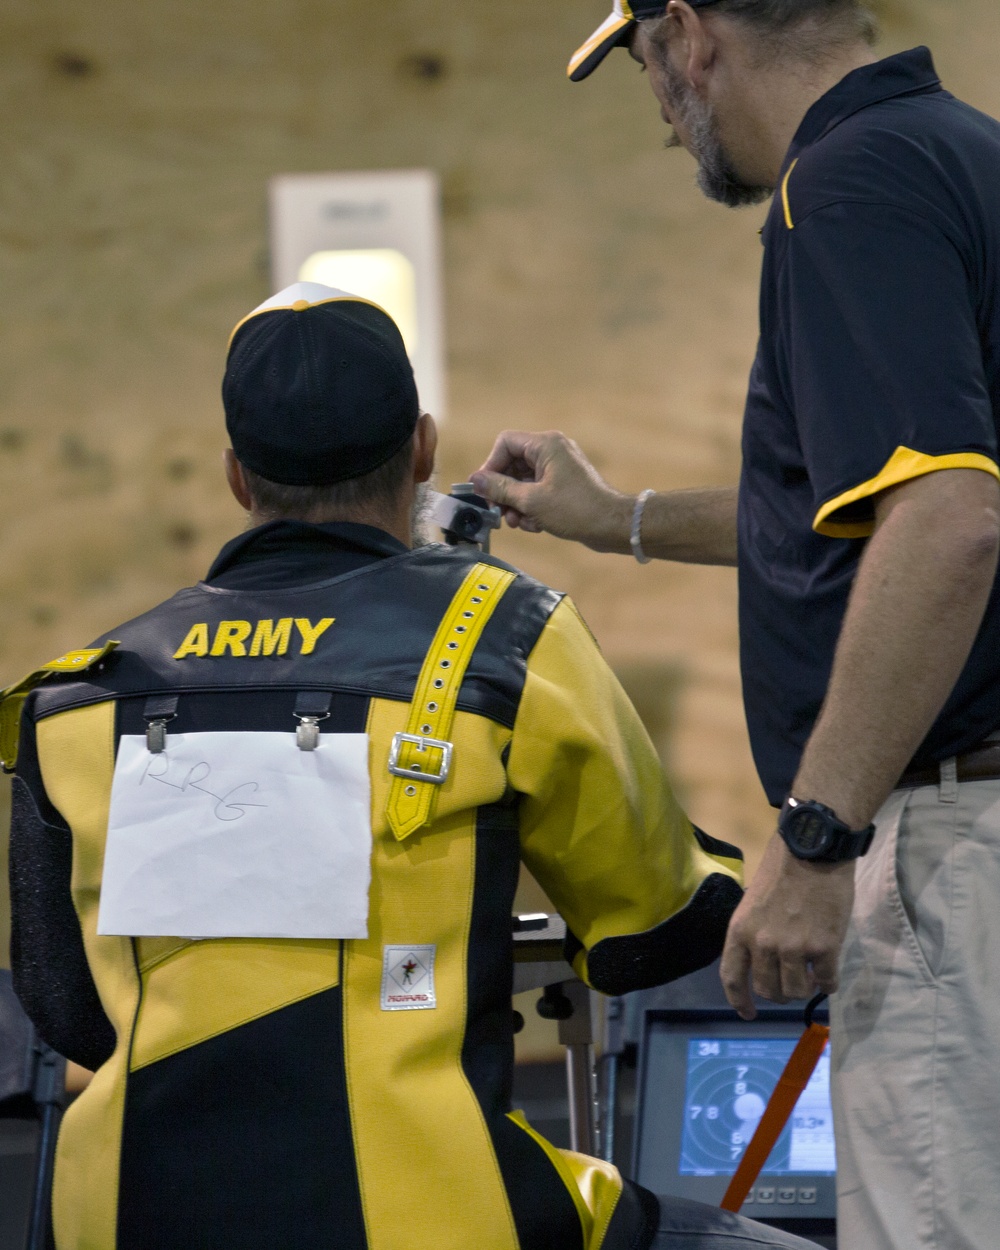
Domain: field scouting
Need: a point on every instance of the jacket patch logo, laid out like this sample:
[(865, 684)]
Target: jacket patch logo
[(253, 638), (408, 978)]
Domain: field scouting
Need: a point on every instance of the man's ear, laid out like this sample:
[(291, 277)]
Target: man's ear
[(425, 438), (237, 480), (696, 46)]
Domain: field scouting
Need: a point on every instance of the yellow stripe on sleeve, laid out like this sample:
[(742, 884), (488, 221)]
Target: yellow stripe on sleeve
[(902, 466), (784, 196)]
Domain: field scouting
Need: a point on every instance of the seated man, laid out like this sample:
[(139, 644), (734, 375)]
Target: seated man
[(293, 1056)]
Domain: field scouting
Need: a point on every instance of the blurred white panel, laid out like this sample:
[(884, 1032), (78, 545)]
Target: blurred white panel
[(377, 235)]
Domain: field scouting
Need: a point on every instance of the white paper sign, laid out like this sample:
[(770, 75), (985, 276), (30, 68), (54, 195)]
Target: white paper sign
[(239, 835)]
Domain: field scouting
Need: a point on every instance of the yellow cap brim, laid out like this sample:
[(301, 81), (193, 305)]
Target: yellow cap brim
[(607, 36)]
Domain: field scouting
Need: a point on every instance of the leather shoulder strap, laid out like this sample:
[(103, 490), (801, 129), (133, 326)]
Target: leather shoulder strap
[(421, 756)]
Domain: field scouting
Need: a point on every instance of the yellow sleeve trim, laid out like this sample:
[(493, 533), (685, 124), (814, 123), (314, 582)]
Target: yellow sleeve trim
[(784, 196), (902, 466)]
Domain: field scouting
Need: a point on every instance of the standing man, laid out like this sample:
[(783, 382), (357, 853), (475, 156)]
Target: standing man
[(865, 529)]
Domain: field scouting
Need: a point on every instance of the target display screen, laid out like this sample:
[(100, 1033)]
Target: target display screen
[(728, 1084)]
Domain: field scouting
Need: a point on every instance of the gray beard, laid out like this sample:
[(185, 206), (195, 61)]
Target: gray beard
[(717, 178), (420, 517)]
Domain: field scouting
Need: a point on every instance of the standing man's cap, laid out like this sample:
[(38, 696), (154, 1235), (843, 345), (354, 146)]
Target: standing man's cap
[(615, 30), (318, 387)]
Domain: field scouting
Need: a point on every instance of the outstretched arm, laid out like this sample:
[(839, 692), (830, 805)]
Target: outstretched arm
[(545, 482)]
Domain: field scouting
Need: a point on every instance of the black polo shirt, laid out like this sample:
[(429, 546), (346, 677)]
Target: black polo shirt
[(879, 361)]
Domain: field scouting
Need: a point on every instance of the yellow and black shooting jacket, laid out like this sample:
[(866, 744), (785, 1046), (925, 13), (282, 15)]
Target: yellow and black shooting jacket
[(254, 1093)]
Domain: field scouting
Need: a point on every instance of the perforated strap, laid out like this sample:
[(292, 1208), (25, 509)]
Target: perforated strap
[(796, 1076), (423, 752)]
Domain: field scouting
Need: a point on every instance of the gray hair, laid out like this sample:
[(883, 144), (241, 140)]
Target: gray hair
[(803, 29), (373, 492)]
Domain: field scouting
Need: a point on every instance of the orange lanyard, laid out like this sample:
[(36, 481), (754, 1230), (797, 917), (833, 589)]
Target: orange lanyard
[(796, 1076)]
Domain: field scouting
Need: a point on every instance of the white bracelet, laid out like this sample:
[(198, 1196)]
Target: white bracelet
[(635, 540)]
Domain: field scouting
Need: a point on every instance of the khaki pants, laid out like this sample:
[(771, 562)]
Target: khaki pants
[(916, 1028)]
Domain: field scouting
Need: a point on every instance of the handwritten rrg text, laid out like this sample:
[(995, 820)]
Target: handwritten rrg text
[(227, 806)]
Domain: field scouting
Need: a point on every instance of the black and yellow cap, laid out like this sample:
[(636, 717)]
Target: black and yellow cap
[(318, 387), (614, 31)]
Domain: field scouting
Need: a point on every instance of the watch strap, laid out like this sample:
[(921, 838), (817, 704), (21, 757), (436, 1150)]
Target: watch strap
[(852, 844), (847, 843)]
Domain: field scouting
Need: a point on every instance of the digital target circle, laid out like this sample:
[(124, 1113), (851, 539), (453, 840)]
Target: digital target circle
[(728, 1086)]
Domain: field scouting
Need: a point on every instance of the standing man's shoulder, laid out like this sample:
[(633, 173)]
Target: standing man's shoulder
[(890, 135)]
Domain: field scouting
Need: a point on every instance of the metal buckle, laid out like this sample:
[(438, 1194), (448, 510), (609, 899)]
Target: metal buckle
[(416, 772)]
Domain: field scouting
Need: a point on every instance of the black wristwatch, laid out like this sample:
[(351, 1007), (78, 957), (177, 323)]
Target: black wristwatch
[(813, 832)]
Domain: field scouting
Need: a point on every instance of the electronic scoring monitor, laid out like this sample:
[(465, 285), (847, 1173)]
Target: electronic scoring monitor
[(704, 1081)]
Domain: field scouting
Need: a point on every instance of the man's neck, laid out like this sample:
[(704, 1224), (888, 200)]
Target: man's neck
[(398, 526), (777, 97)]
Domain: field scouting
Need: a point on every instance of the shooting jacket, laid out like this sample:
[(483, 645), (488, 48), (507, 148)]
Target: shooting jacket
[(255, 1092)]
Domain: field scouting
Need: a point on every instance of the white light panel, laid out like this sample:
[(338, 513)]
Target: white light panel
[(376, 235), (380, 274)]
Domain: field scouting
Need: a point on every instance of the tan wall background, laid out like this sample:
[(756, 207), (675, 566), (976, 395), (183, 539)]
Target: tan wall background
[(589, 287)]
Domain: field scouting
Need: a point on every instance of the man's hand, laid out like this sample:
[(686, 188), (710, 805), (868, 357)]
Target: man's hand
[(785, 937), (545, 482)]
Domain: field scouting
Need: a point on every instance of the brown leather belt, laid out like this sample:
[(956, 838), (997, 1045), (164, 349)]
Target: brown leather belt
[(982, 763)]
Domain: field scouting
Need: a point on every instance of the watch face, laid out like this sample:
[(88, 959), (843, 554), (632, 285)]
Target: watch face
[(812, 834)]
